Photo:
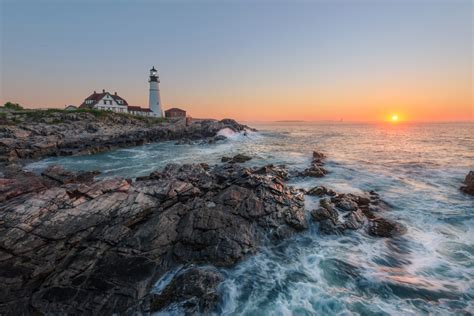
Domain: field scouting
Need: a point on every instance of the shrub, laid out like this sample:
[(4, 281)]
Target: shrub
[(13, 106)]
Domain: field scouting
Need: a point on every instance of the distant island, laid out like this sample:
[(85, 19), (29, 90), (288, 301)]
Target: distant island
[(290, 121)]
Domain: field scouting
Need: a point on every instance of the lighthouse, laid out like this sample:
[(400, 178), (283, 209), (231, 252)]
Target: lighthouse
[(155, 100)]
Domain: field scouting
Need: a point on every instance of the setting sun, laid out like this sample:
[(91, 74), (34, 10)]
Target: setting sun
[(394, 118)]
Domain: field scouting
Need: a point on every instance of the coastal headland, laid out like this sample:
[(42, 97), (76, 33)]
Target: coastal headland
[(35, 134)]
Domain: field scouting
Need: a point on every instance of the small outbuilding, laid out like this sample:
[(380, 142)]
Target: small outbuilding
[(175, 112), (70, 107)]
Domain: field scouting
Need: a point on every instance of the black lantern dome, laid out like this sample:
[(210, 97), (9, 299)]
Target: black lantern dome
[(153, 74)]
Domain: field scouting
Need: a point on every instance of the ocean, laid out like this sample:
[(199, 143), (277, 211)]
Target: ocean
[(417, 168)]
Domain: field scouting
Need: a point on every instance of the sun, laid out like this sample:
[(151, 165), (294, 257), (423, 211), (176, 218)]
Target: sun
[(394, 118)]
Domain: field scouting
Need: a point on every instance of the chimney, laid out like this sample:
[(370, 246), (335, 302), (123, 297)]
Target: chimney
[(103, 90), (115, 93), (95, 92)]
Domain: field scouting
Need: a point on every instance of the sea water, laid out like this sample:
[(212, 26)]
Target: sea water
[(416, 168)]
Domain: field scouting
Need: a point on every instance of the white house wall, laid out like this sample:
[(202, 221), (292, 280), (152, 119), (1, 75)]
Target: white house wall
[(111, 105)]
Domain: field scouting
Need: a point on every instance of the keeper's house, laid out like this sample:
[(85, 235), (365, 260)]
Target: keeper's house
[(111, 102)]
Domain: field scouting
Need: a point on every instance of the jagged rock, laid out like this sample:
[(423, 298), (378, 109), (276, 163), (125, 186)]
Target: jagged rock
[(99, 247), (22, 183), (194, 291), (382, 227), (325, 213), (468, 186), (279, 171), (62, 176), (16, 182), (320, 191), (239, 158), (151, 176), (316, 169), (350, 211), (318, 155), (215, 139)]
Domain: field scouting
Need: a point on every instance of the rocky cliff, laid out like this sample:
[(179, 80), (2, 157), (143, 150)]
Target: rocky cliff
[(77, 245), (33, 134)]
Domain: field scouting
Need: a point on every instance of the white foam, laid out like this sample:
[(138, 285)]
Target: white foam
[(227, 132)]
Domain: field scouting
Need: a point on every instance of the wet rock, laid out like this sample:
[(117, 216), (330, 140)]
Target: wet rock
[(62, 176), (318, 155), (345, 204), (382, 227), (193, 291), (316, 168), (315, 172), (185, 141), (279, 171), (239, 158), (152, 176), (468, 186), (321, 191), (354, 220), (349, 211), (99, 247), (325, 212), (215, 139)]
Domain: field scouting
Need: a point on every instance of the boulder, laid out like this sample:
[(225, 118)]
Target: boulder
[(193, 291), (349, 211), (468, 186), (239, 158), (382, 227), (318, 155), (321, 191), (316, 169)]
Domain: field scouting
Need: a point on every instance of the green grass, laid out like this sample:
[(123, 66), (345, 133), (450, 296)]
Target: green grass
[(95, 112), (39, 114)]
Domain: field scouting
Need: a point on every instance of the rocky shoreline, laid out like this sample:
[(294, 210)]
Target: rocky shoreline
[(84, 246), (73, 244), (38, 134)]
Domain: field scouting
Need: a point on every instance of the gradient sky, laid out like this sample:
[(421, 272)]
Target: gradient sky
[(249, 60)]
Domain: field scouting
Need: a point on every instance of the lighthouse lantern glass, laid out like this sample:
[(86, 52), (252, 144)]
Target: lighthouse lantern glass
[(153, 72)]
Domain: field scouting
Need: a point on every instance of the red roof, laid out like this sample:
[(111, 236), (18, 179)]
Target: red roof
[(96, 97), (175, 110), (117, 98), (137, 109)]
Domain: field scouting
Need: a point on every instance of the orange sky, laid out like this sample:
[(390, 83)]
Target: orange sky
[(321, 60)]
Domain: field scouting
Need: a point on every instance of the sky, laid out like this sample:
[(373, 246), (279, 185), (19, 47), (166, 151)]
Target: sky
[(249, 60)]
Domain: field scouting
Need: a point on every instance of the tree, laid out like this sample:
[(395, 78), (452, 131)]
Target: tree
[(13, 106)]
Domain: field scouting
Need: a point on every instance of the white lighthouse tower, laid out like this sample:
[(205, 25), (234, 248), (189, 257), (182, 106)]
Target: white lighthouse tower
[(155, 100)]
